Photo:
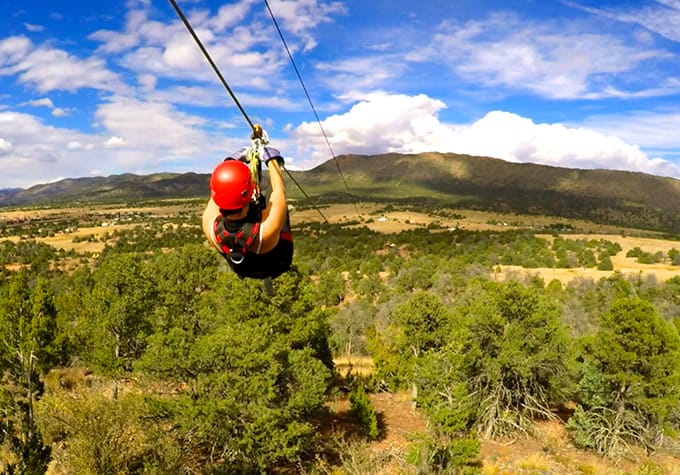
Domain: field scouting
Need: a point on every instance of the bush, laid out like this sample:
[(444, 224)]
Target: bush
[(605, 263), (363, 410), (630, 384), (455, 456), (515, 358), (102, 433)]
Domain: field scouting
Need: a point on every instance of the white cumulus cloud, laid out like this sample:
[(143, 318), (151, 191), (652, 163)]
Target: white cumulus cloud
[(115, 142), (410, 124), (5, 146)]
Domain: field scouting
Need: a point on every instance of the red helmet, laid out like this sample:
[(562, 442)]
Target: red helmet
[(230, 185)]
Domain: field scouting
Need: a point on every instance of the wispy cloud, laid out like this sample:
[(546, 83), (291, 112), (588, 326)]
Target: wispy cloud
[(661, 17), (51, 69), (243, 46), (47, 102), (44, 102), (301, 17), (650, 129), (352, 78), (138, 30), (544, 58), (33, 28), (12, 49)]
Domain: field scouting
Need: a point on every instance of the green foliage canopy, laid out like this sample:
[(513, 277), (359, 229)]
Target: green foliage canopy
[(630, 387)]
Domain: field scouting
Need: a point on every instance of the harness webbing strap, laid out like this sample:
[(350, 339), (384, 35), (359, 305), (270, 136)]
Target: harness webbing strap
[(235, 244)]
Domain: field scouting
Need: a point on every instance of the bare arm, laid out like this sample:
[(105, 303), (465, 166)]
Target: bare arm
[(210, 214), (274, 216)]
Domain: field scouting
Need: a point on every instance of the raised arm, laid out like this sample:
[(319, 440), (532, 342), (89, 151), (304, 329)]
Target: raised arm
[(210, 214), (273, 218)]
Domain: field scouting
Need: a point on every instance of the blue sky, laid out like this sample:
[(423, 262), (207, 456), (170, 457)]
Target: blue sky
[(97, 88)]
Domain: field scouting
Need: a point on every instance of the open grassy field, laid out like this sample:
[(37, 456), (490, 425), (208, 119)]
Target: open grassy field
[(625, 265), (99, 221), (377, 219), (95, 222)]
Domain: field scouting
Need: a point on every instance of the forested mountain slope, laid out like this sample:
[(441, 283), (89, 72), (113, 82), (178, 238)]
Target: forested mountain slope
[(114, 188), (616, 197), (447, 172)]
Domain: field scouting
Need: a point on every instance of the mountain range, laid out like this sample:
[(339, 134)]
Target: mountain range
[(426, 179)]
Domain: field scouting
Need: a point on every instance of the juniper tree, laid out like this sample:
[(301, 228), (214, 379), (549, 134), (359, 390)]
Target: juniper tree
[(116, 318), (256, 372), (630, 385), (506, 363)]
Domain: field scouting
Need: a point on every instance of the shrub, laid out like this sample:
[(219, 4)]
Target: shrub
[(457, 456), (630, 384), (515, 358), (363, 410), (605, 262), (101, 433)]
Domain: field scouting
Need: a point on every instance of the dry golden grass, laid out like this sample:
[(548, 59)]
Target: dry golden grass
[(660, 272), (99, 214), (64, 240), (628, 266), (392, 222), (357, 365), (549, 451), (396, 221)]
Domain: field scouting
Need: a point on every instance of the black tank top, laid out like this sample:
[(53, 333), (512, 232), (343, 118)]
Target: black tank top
[(235, 237)]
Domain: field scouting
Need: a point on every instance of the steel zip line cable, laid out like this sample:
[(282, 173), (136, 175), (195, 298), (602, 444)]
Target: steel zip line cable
[(207, 56), (309, 99), (198, 41)]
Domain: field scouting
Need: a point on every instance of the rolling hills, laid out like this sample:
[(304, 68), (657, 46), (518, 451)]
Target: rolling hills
[(605, 196), (608, 196)]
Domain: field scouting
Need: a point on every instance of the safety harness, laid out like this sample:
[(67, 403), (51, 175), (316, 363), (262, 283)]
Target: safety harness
[(234, 245), (234, 239)]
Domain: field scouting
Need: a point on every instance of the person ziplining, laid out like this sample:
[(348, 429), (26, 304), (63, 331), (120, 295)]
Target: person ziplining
[(251, 230)]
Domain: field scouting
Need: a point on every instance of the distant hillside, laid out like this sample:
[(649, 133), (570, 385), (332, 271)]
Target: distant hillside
[(452, 173), (616, 197), (8, 193), (115, 188)]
